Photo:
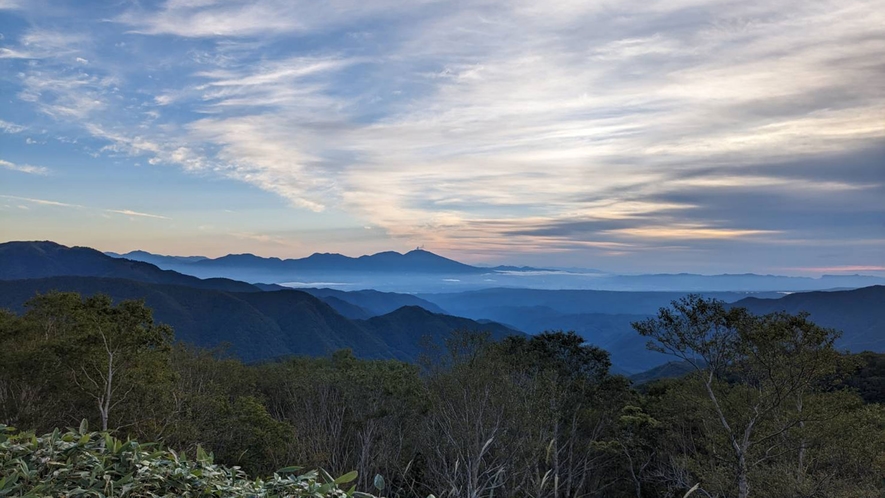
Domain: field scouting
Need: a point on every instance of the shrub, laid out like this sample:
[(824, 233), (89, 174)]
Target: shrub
[(79, 463)]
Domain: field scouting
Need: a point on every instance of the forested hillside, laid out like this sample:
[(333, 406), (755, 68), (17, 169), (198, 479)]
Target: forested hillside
[(260, 325), (769, 408), (277, 321)]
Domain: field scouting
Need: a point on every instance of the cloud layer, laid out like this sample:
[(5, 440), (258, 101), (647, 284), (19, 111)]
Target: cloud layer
[(682, 128)]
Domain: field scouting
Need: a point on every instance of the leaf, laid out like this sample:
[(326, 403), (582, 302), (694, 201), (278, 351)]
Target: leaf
[(346, 478), (84, 426), (326, 476), (379, 482), (289, 470)]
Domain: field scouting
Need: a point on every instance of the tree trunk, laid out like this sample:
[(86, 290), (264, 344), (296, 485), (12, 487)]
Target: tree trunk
[(109, 389), (743, 481), (802, 445)]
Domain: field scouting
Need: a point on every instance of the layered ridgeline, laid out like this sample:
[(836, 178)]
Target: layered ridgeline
[(605, 318), (256, 324), (253, 268), (261, 321), (24, 260), (859, 314), (424, 271)]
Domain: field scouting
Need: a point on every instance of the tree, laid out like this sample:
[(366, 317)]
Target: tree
[(754, 371), (108, 350), (116, 341)]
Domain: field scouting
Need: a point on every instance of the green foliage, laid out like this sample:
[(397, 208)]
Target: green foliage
[(868, 376), (536, 416), (759, 409), (90, 358), (95, 464)]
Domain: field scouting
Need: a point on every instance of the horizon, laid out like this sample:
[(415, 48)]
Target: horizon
[(707, 137), (819, 273)]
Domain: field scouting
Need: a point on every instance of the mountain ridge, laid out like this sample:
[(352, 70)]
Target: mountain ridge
[(418, 261), (262, 325), (41, 259), (428, 267)]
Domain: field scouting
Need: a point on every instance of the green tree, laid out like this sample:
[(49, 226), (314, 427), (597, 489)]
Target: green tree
[(754, 371), (110, 354)]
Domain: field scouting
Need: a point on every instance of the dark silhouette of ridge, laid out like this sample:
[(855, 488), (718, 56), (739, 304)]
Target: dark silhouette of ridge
[(41, 259), (262, 325)]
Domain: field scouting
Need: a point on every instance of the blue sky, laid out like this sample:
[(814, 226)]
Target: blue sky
[(684, 135)]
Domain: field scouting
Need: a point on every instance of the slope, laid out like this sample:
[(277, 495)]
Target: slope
[(375, 302), (858, 313), (24, 260), (260, 325), (411, 325)]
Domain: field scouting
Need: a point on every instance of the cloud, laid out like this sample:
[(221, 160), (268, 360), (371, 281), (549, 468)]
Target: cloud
[(24, 168), (262, 238), (7, 127), (8, 53), (839, 269), (240, 18), (42, 202), (498, 127), (129, 212)]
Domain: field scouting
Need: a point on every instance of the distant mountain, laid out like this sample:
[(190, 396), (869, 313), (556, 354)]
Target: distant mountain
[(475, 304), (422, 271), (414, 323), (325, 267), (669, 370), (509, 268), (25, 260), (263, 325), (416, 261), (374, 302), (157, 259), (858, 313), (346, 309), (747, 282), (604, 318)]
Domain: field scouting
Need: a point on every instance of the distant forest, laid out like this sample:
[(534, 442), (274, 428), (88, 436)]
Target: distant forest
[(769, 407)]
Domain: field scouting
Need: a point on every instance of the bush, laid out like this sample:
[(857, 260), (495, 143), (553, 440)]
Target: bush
[(93, 464)]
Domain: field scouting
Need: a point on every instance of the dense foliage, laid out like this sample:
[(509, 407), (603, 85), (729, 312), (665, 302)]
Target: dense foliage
[(81, 463), (770, 408)]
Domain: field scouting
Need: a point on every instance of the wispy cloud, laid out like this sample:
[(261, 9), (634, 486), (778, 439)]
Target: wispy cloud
[(50, 203), (129, 212), (24, 168), (42, 202), (499, 127), (7, 127)]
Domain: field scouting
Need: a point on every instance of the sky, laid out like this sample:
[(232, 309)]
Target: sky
[(703, 136)]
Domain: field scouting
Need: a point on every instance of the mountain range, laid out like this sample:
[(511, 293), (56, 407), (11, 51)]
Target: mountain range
[(859, 313), (423, 271), (416, 261), (261, 321), (256, 324), (22, 260), (604, 318)]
